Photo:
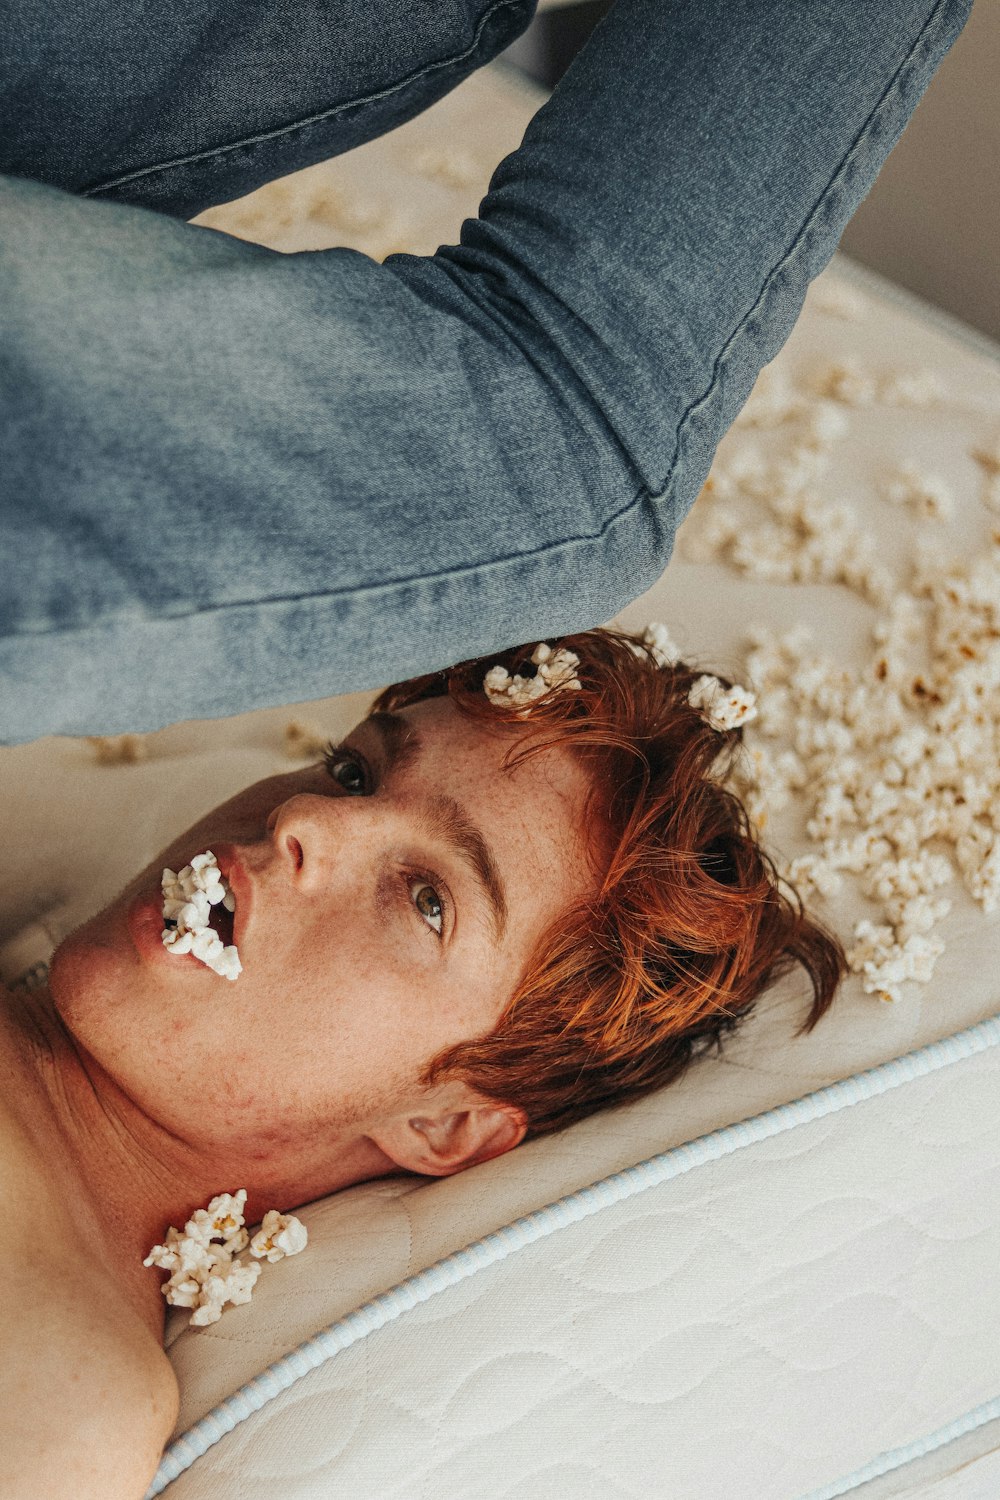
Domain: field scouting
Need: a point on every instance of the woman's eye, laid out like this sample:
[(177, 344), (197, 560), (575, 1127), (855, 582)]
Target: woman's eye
[(347, 770), (429, 905)]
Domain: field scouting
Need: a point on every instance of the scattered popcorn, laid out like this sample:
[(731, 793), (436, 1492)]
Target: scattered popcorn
[(454, 167), (803, 539), (895, 764), (926, 494), (556, 669), (303, 742), (911, 388), (893, 760), (724, 708), (838, 300), (771, 402), (845, 381), (991, 493), (188, 897), (887, 964), (205, 1275), (125, 749), (988, 458)]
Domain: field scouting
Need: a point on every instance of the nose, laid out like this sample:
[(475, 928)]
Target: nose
[(319, 838)]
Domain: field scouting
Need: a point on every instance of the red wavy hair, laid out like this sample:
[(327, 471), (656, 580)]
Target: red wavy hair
[(690, 922)]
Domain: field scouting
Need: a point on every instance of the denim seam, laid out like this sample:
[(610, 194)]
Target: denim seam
[(644, 495), (255, 140), (801, 242), (354, 591)]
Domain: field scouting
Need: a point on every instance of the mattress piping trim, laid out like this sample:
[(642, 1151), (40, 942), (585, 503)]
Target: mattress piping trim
[(605, 1193), (897, 1458)]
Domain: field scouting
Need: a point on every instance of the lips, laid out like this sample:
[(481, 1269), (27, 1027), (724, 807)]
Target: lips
[(144, 920)]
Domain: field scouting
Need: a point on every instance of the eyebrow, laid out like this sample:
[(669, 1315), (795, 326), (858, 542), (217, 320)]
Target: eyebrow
[(401, 744)]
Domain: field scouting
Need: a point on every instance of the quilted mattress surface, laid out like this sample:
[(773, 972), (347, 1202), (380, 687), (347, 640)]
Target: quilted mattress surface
[(796, 1294)]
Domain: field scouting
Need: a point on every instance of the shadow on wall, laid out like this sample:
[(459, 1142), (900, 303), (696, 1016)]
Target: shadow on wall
[(932, 221)]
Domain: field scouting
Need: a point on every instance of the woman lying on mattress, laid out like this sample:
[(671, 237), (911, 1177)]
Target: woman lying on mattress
[(517, 893)]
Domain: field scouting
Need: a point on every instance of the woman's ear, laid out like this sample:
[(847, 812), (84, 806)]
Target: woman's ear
[(438, 1143)]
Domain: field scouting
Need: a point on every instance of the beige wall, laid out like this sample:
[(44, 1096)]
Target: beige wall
[(932, 220)]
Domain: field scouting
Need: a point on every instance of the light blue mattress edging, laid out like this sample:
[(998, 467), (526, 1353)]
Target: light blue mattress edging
[(495, 1247), (897, 1458)]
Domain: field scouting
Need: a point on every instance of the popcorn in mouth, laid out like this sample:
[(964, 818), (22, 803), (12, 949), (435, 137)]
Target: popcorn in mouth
[(190, 898)]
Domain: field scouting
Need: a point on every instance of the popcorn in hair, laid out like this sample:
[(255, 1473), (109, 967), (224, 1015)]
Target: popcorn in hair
[(724, 708), (689, 919), (658, 641), (556, 669)]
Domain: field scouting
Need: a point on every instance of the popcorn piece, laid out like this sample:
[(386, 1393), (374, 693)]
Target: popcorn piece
[(188, 897), (846, 381), (771, 402), (911, 388), (454, 167), (927, 494), (178, 942), (886, 964), (206, 1275), (222, 1219), (838, 300), (745, 471), (279, 1235), (657, 639), (126, 749), (810, 873), (724, 708), (303, 742), (826, 422), (556, 669), (988, 458)]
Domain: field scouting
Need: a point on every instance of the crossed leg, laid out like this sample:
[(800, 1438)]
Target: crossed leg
[(233, 478)]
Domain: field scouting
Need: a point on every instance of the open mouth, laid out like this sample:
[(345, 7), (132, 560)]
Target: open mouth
[(198, 906), (221, 921)]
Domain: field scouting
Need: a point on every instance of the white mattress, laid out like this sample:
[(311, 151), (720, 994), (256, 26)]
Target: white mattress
[(805, 1297), (803, 1305)]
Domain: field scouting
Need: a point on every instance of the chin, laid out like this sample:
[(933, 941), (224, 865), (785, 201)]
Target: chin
[(90, 976)]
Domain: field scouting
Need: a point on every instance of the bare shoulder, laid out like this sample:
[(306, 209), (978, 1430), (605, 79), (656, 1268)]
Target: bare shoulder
[(87, 1397)]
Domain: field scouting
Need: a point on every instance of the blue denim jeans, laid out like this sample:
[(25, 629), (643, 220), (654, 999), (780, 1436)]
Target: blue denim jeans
[(233, 478)]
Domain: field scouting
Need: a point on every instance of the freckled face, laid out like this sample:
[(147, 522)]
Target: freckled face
[(389, 904)]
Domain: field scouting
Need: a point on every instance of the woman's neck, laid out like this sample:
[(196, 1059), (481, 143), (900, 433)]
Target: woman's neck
[(92, 1163), (123, 1178)]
